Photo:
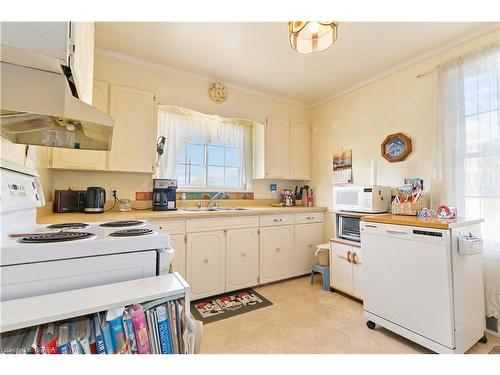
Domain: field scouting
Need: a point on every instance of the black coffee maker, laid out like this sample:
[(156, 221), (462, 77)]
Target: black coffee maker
[(164, 190)]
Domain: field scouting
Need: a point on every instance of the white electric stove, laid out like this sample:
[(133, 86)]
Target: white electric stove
[(43, 259)]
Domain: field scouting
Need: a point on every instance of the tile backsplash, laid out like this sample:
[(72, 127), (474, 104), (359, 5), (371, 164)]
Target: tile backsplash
[(205, 195)]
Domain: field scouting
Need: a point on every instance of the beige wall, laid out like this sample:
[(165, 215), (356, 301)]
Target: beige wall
[(173, 88), (361, 119)]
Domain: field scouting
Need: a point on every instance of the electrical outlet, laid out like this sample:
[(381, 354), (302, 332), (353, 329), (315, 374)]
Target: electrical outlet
[(114, 192)]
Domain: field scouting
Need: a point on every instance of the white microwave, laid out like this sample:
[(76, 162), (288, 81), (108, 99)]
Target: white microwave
[(371, 199)]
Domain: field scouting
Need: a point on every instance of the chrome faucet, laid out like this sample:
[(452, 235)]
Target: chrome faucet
[(210, 200)]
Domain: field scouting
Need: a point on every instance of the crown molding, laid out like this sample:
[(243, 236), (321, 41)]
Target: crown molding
[(184, 73), (490, 27)]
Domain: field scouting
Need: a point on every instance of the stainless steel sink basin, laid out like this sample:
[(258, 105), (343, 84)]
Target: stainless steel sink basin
[(205, 209)]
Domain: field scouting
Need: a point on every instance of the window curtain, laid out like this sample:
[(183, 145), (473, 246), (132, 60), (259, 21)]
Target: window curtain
[(181, 126), (466, 173)]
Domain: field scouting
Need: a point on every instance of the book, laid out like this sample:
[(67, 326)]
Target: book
[(92, 342), (178, 310), (152, 343), (106, 334), (129, 332), (155, 331), (150, 304), (140, 329), (25, 346), (34, 344), (164, 329), (63, 346), (47, 340), (114, 318), (74, 332), (99, 339), (173, 327), (84, 334)]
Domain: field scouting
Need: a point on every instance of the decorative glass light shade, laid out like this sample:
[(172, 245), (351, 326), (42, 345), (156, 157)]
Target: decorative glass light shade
[(311, 36)]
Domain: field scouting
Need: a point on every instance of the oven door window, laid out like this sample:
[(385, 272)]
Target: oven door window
[(349, 228)]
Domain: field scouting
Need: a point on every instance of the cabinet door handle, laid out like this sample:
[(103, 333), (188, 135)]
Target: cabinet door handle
[(277, 249), (354, 258), (310, 245), (349, 256), (243, 255), (205, 261), (310, 217), (277, 220)]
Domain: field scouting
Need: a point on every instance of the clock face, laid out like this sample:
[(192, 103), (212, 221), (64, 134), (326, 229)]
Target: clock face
[(395, 147), (217, 92)]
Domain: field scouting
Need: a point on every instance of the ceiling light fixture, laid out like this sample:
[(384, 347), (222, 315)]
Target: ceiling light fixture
[(312, 36)]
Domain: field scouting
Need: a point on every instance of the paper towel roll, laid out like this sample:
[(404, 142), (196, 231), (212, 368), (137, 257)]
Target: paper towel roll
[(373, 172)]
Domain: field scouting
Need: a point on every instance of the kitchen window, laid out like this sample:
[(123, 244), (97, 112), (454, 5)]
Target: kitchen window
[(468, 151), (205, 152)]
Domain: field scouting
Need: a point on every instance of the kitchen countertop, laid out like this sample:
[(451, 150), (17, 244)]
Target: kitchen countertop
[(47, 217), (414, 221)]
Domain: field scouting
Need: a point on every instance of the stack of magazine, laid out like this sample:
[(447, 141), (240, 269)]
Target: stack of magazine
[(155, 327)]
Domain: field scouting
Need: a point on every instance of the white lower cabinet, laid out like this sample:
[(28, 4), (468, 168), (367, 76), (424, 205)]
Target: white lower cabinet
[(242, 258), (179, 259), (277, 260), (206, 263), (357, 290), (345, 269), (307, 237)]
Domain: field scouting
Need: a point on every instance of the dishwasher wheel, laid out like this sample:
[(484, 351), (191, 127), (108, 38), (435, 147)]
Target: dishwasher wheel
[(483, 340), (370, 324)]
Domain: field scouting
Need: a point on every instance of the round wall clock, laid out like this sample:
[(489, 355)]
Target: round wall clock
[(217, 92), (396, 147)]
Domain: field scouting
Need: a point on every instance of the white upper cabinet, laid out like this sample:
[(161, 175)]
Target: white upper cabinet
[(277, 152), (281, 150), (82, 58), (300, 151), (133, 144), (63, 158), (40, 45), (50, 45)]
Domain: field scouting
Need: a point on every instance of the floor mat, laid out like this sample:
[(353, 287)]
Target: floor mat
[(495, 350), (226, 305)]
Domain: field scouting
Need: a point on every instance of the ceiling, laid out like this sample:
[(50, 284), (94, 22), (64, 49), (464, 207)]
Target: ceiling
[(257, 55)]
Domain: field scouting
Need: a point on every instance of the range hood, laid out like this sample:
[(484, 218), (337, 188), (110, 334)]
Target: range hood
[(40, 107)]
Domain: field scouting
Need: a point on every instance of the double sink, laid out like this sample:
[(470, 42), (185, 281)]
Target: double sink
[(205, 209)]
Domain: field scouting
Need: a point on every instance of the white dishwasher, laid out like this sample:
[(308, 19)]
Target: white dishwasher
[(416, 283)]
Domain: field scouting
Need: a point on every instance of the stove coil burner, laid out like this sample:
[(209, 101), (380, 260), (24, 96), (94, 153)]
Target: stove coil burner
[(68, 226), (56, 237), (132, 232), (123, 223)]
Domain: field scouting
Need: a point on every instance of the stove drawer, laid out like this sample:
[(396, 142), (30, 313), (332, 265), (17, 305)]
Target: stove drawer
[(32, 279)]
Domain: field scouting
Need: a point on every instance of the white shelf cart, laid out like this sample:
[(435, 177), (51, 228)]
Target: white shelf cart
[(27, 312)]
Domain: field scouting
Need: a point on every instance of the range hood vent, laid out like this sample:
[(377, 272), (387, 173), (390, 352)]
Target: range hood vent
[(39, 108)]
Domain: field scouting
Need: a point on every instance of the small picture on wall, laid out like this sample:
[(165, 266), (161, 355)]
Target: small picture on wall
[(342, 160)]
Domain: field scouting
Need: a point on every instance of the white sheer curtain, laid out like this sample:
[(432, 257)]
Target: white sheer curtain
[(181, 126), (467, 152)]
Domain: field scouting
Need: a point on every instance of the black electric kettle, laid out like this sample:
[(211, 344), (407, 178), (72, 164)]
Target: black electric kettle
[(95, 199)]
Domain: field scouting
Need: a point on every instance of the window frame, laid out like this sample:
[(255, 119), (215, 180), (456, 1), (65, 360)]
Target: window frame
[(206, 165)]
